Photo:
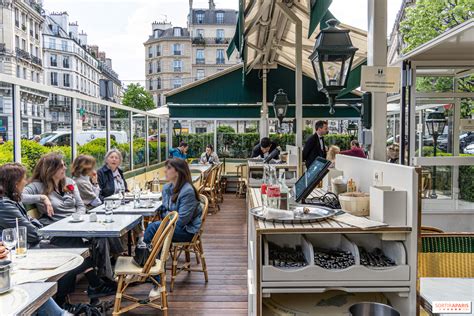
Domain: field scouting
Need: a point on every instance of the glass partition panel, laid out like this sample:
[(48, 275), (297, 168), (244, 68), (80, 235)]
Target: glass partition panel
[(46, 125), (153, 140), (120, 125), (6, 123), (197, 134), (466, 136), (139, 134), (236, 139), (91, 131)]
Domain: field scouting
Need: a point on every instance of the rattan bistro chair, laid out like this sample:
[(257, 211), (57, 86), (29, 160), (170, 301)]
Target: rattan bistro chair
[(209, 188), (195, 246), (128, 272), (242, 181)]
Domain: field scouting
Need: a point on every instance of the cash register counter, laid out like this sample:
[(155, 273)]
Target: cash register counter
[(291, 290)]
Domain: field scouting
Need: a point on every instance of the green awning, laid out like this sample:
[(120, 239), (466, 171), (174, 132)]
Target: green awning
[(353, 82), (319, 11)]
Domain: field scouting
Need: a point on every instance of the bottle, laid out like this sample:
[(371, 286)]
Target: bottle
[(136, 196), (273, 190), (155, 184), (284, 192), (263, 187)]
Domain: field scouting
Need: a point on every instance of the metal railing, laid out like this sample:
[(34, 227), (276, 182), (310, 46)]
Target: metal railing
[(177, 53), (200, 61), (220, 61)]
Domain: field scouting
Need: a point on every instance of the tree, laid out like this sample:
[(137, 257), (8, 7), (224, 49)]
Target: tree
[(427, 19), (225, 129), (137, 97)]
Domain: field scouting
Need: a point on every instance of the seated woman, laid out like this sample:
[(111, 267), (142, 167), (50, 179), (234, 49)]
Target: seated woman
[(49, 178), (209, 157), (181, 196), (110, 176), (85, 176), (13, 181)]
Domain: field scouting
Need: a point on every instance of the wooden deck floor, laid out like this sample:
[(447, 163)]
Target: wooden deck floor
[(225, 246)]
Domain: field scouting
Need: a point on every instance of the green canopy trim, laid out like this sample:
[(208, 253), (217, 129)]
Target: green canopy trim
[(246, 112), (237, 40), (319, 8)]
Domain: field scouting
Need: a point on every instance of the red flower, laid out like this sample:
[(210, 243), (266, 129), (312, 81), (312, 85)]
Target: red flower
[(70, 187)]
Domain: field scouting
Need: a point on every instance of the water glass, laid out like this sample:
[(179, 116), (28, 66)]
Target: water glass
[(22, 242), (109, 211), (9, 237)]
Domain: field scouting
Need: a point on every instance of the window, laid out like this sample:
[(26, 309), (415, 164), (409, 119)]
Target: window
[(18, 71), (23, 44), (66, 80), (37, 77), (156, 33), (32, 74), (37, 52), (17, 41), (158, 66), (200, 74), (150, 68), (17, 17), (200, 130), (150, 84), (158, 83), (52, 43), (177, 31), (53, 60), (177, 82), (64, 45), (176, 49), (220, 57), (54, 78), (200, 17), (24, 73), (220, 34), (200, 33), (220, 17), (177, 65), (150, 52), (31, 50), (66, 62), (200, 56), (158, 50)]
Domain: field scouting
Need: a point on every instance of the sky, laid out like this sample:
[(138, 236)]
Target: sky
[(120, 27)]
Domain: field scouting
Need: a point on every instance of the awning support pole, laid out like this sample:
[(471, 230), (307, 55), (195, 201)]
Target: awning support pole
[(264, 111), (16, 103), (377, 56), (298, 70)]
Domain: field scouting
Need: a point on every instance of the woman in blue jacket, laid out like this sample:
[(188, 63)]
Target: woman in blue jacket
[(181, 196)]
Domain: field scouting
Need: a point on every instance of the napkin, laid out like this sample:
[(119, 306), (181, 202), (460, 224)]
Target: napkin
[(273, 213)]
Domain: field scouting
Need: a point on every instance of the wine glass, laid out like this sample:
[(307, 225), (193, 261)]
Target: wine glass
[(109, 210), (9, 239)]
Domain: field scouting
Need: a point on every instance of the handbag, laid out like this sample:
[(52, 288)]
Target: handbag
[(142, 253)]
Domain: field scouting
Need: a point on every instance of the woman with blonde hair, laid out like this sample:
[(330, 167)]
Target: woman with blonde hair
[(331, 154), (83, 172)]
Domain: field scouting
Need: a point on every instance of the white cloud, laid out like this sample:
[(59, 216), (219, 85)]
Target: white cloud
[(120, 27)]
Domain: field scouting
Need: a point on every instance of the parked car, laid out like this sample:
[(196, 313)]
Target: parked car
[(469, 149), (465, 140), (63, 138)]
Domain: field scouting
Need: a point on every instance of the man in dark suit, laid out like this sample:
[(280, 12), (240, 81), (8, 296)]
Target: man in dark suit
[(264, 148), (315, 146)]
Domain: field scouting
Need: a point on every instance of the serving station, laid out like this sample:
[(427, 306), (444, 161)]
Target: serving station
[(342, 257)]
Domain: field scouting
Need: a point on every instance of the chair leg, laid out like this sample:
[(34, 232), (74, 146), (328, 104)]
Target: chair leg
[(164, 295), (174, 259), (187, 255), (203, 260), (118, 295)]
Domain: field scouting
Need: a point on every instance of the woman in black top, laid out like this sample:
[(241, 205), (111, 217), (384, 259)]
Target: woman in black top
[(110, 176)]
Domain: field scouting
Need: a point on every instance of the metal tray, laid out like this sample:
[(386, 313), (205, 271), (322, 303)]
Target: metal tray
[(316, 214)]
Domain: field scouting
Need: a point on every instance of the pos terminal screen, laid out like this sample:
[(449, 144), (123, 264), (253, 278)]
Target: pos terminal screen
[(308, 181)]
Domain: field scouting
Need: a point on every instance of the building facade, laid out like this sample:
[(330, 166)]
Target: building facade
[(71, 64), (167, 59), (175, 56), (21, 56)]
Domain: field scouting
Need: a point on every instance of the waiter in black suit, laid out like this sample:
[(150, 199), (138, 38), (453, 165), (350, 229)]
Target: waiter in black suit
[(315, 146)]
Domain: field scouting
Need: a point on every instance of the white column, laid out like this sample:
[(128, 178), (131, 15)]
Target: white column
[(108, 127), (264, 110), (215, 134), (299, 83), (377, 56), (73, 128), (130, 134), (159, 140), (147, 143), (16, 106)]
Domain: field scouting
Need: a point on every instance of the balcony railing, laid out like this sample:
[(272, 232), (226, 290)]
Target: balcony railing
[(221, 40), (36, 60), (20, 53), (200, 61), (220, 61), (54, 63), (158, 54), (65, 65), (3, 49), (158, 69), (199, 40), (177, 53), (150, 55), (177, 69), (54, 83)]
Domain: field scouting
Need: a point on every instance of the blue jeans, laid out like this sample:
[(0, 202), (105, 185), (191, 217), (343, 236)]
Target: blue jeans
[(180, 235), (49, 308)]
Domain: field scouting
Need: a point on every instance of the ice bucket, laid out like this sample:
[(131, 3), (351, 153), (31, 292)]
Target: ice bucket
[(372, 309), (5, 279)]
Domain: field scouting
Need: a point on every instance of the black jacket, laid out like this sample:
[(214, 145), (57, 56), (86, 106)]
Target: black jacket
[(10, 211), (257, 150), (312, 150), (106, 181)]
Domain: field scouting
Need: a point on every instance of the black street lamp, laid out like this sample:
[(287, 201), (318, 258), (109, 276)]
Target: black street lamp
[(332, 60), (352, 130), (280, 105), (435, 124), (177, 130)]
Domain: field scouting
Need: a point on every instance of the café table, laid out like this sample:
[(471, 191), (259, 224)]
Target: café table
[(129, 209), (122, 224), (25, 299), (199, 167), (446, 289)]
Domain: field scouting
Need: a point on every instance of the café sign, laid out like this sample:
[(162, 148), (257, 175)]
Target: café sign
[(380, 79)]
